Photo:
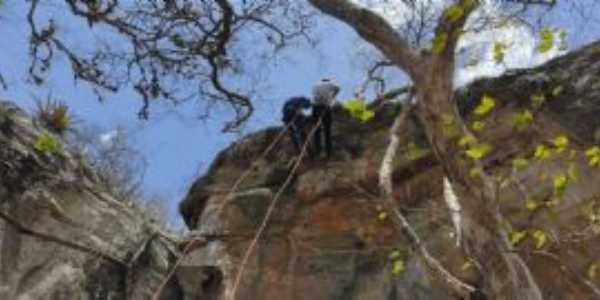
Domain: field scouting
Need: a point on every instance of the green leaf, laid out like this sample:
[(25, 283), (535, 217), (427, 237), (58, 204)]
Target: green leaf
[(467, 265), (367, 115), (540, 238), (537, 100), (592, 271), (438, 44), (594, 162), (531, 204), (517, 237), (478, 126), (354, 106), (47, 143), (454, 12), (398, 267), (562, 37), (560, 142), (542, 152), (573, 172), (478, 151), (593, 156), (520, 164), (522, 119), (358, 109), (546, 40), (557, 90), (485, 106), (414, 152), (499, 52), (466, 140), (475, 172), (450, 129), (560, 182), (394, 255)]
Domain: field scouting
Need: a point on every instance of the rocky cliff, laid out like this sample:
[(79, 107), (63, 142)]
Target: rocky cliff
[(63, 236), (327, 237)]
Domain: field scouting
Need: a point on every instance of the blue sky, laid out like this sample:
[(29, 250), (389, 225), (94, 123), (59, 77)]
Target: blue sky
[(177, 146)]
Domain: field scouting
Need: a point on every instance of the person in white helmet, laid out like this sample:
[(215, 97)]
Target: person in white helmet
[(324, 93)]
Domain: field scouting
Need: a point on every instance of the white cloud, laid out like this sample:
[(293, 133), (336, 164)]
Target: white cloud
[(107, 138), (521, 51)]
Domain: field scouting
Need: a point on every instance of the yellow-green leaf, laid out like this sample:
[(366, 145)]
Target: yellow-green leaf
[(354, 105), (475, 172), (454, 12), (557, 90), (499, 52), (47, 143), (560, 182), (467, 265), (560, 142), (522, 119), (540, 238), (592, 271), (562, 36), (573, 172), (572, 154), (478, 125), (382, 216), (398, 267), (542, 152), (394, 255), (520, 164), (439, 43), (366, 115), (537, 100), (478, 151), (450, 128), (594, 161), (593, 156), (531, 204), (485, 106), (466, 140), (358, 109), (546, 40), (517, 236)]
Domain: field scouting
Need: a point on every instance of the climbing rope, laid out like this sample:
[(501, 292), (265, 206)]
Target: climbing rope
[(270, 210), (233, 190)]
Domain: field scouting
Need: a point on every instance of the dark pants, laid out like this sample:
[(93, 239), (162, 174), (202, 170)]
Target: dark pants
[(296, 126), (324, 113)]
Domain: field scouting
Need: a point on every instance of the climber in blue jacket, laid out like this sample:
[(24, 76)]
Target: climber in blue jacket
[(295, 119)]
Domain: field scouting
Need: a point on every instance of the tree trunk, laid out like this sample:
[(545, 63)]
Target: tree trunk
[(485, 237)]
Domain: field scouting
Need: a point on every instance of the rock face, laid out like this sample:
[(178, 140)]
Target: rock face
[(62, 236), (326, 237)]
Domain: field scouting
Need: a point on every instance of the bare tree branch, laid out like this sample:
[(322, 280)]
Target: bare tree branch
[(170, 51), (375, 30)]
